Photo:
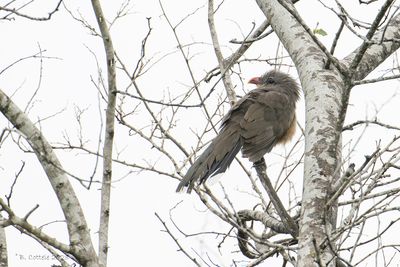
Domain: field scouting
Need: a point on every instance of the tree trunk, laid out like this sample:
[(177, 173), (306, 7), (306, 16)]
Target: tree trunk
[(322, 153), (3, 248), (326, 92)]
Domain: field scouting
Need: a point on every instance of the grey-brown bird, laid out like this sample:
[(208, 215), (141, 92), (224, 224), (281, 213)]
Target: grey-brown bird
[(261, 119)]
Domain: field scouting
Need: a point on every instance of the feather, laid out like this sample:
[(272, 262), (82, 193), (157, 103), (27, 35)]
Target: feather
[(255, 124)]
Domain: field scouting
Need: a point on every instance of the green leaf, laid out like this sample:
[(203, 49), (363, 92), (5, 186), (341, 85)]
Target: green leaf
[(320, 32)]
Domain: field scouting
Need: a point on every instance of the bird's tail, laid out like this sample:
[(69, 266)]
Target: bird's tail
[(215, 159)]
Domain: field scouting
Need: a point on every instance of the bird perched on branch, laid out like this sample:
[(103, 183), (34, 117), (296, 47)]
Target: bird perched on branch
[(261, 119)]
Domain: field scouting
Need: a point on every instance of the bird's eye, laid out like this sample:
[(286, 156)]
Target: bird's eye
[(270, 80)]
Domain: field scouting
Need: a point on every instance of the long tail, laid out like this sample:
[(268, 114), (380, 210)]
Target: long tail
[(215, 159)]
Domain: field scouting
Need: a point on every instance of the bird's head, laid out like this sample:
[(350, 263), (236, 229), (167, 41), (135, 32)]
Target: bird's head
[(276, 80)]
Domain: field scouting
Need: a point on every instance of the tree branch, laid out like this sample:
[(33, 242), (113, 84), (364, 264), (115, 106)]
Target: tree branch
[(16, 12), (21, 222), (287, 220), (364, 46), (3, 246), (226, 78), (290, 8), (176, 241), (264, 218), (366, 122), (109, 133), (77, 227), (376, 53)]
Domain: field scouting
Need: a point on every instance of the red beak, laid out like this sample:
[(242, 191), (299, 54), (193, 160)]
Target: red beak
[(255, 80)]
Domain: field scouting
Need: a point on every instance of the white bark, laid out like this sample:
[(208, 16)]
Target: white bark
[(78, 231), (321, 133), (377, 53), (326, 97), (224, 68), (3, 247), (109, 134)]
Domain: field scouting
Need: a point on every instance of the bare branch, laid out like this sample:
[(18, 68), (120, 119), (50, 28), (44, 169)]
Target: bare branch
[(360, 122), (226, 78), (374, 27), (3, 246), (17, 221), (290, 8), (109, 133), (77, 227), (376, 53), (290, 224), (267, 220), (176, 241), (8, 197), (376, 80), (334, 43), (16, 12)]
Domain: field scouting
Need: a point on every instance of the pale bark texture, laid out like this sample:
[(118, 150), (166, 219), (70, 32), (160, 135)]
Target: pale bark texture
[(109, 133), (3, 248), (80, 241), (323, 121), (178, 77)]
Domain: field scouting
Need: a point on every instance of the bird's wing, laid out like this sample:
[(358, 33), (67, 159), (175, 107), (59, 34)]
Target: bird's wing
[(237, 109), (266, 120)]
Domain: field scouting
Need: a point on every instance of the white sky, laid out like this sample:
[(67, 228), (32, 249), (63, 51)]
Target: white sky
[(135, 237)]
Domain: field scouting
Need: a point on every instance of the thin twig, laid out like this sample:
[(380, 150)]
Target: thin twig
[(374, 27), (285, 217), (352, 125), (376, 80), (16, 12), (20, 222), (8, 197), (334, 60), (334, 43), (176, 241)]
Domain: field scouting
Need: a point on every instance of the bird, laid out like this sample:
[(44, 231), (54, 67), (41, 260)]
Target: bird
[(260, 120)]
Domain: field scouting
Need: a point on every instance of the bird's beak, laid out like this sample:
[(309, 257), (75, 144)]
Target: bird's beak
[(255, 80)]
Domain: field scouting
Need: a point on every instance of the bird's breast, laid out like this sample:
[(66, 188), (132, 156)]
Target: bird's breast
[(289, 133)]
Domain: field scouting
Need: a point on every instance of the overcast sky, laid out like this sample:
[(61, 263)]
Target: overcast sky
[(65, 76)]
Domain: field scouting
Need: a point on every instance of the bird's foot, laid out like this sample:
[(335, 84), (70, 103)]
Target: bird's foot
[(259, 163)]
